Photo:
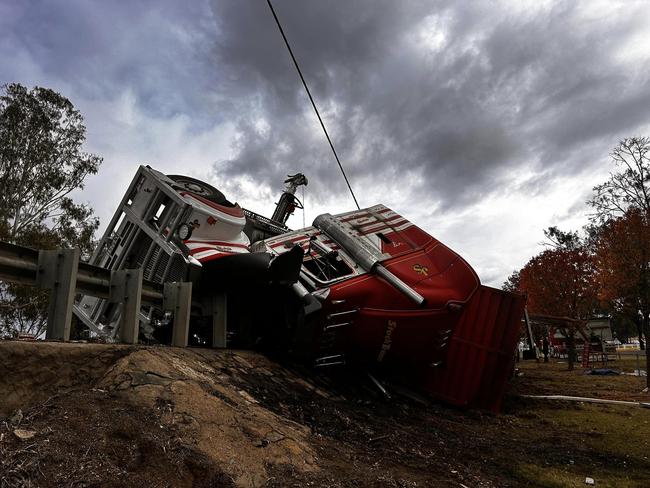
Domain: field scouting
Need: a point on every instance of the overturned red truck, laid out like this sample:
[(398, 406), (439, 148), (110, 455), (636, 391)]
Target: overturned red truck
[(366, 288)]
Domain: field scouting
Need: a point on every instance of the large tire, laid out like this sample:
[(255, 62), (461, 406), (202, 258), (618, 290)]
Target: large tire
[(198, 187)]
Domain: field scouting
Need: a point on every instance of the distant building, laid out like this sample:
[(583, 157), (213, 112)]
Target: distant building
[(601, 328)]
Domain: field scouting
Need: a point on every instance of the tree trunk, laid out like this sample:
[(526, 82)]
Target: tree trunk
[(571, 343), (646, 330), (640, 329)]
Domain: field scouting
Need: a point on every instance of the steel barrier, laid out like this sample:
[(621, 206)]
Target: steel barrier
[(65, 276)]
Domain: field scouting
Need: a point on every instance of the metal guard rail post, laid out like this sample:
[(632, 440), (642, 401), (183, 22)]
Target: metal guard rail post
[(61, 272)]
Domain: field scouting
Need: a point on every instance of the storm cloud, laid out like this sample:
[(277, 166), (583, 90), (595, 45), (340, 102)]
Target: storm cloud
[(453, 94), (483, 122)]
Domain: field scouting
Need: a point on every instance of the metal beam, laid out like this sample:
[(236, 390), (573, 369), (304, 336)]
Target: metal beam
[(178, 300), (219, 320), (20, 264), (57, 270), (126, 288)]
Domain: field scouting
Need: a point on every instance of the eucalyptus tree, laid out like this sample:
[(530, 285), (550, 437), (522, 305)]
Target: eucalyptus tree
[(42, 162)]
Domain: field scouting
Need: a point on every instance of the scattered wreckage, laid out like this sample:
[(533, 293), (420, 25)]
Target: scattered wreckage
[(365, 287)]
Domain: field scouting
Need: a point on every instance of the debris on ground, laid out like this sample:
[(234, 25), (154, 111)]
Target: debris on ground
[(24, 435), (602, 372), (109, 415), (637, 372)]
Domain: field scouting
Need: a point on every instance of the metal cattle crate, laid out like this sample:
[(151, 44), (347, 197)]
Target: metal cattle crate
[(170, 227), (143, 233)]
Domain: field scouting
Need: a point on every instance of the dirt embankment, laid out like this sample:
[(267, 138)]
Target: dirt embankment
[(101, 415), (133, 404), (31, 372)]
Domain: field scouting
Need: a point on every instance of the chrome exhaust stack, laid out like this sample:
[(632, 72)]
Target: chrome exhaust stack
[(364, 254)]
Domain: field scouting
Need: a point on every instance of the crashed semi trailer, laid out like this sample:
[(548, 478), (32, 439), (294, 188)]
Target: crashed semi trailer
[(367, 287)]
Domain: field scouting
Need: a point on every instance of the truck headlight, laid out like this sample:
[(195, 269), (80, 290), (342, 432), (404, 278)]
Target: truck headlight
[(184, 231)]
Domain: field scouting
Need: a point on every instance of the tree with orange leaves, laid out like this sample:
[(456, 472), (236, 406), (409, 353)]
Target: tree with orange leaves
[(623, 262), (622, 207), (562, 282)]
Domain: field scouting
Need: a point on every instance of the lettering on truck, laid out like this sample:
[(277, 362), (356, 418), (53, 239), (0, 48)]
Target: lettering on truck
[(387, 340)]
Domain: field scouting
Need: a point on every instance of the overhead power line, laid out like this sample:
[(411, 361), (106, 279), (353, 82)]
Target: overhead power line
[(313, 104)]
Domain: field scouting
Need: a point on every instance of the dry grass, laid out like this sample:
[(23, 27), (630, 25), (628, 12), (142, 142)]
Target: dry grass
[(553, 378), (609, 443)]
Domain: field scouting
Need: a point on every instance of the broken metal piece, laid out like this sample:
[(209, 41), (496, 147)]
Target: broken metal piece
[(379, 386), (333, 360), (336, 326), (341, 314)]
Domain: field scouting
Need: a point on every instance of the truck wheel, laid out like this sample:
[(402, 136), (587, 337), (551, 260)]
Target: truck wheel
[(198, 187)]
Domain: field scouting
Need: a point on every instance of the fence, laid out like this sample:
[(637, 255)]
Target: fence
[(65, 275)]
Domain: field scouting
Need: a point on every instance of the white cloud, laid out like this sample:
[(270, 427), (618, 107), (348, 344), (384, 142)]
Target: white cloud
[(126, 137)]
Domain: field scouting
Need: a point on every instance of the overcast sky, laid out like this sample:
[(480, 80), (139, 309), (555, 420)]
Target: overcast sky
[(483, 122)]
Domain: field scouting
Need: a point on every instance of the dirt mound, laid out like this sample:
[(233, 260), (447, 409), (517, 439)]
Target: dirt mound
[(232, 416), (210, 412), (188, 417), (102, 415)]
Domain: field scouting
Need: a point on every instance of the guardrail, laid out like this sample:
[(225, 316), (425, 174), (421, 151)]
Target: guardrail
[(64, 275)]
